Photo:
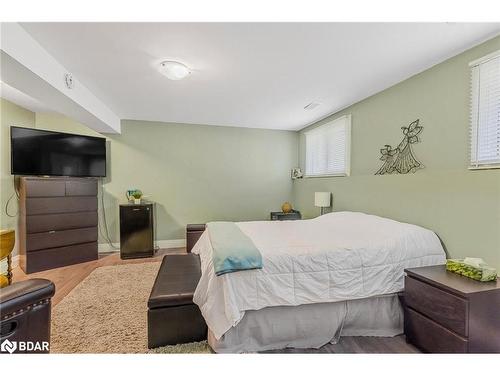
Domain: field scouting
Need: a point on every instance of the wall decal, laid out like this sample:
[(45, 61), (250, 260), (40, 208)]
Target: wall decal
[(401, 159)]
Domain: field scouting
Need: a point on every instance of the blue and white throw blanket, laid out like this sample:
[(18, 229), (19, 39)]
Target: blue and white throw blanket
[(233, 250)]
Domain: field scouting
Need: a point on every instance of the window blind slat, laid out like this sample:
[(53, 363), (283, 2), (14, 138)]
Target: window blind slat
[(328, 148), (485, 113)]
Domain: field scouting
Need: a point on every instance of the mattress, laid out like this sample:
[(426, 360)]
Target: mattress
[(335, 257), (311, 325)]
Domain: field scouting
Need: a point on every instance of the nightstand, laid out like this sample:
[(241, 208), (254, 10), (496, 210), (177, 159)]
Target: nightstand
[(449, 313), (279, 215)]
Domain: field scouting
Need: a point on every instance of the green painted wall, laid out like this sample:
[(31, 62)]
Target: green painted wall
[(195, 173), (461, 206), (10, 115), (198, 173)]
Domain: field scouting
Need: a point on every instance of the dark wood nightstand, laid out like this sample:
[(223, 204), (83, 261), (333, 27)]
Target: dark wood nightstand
[(279, 215), (449, 313)]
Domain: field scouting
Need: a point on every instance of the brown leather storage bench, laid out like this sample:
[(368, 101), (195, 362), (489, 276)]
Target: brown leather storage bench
[(173, 318), (193, 233), (25, 309)]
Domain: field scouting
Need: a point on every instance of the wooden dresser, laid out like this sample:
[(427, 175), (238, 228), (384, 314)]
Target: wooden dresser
[(58, 222), (449, 313)]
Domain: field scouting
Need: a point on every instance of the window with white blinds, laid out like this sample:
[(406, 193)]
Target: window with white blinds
[(485, 112), (328, 149)]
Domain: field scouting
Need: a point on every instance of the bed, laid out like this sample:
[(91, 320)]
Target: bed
[(338, 274)]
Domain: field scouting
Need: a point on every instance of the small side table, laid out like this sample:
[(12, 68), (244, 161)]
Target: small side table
[(278, 215), (449, 313)]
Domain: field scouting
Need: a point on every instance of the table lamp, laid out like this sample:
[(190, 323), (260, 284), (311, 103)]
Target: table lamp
[(322, 199)]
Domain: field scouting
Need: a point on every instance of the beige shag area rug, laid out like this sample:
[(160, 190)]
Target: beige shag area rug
[(107, 313)]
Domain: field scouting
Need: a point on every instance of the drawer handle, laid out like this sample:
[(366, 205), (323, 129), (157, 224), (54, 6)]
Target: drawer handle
[(52, 231), (136, 209)]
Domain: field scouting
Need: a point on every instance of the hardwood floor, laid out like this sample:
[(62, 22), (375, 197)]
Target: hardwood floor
[(66, 278)]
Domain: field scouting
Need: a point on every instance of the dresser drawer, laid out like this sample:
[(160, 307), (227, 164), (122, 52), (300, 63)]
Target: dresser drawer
[(81, 188), (46, 223), (45, 240), (45, 188), (430, 336), (444, 308), (61, 256), (38, 206)]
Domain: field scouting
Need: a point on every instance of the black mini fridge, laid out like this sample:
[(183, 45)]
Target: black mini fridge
[(136, 230)]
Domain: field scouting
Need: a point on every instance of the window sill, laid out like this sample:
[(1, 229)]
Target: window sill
[(484, 167), (328, 175)]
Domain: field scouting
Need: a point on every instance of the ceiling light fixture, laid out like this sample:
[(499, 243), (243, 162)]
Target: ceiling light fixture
[(174, 70)]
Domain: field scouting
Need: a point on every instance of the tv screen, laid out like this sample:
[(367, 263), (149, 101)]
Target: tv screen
[(45, 153)]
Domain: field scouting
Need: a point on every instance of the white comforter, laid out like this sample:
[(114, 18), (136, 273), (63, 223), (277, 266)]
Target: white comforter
[(335, 257)]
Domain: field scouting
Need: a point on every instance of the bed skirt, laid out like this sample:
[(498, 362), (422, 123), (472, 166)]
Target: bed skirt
[(312, 325)]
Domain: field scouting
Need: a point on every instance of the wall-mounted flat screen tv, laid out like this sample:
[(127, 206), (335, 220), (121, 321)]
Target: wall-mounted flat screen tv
[(37, 152)]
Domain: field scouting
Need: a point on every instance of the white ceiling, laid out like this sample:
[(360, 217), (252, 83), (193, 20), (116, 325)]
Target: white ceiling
[(257, 75), (21, 99)]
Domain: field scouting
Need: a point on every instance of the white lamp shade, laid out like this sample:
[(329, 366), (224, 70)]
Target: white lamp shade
[(322, 199)]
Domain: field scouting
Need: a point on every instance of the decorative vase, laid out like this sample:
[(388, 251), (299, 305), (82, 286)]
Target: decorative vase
[(137, 200), (286, 208)]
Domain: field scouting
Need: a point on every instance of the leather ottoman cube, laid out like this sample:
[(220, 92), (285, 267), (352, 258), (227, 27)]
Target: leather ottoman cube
[(193, 233)]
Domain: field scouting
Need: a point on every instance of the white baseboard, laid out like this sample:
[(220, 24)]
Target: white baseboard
[(162, 244), (171, 244), (106, 248), (15, 261)]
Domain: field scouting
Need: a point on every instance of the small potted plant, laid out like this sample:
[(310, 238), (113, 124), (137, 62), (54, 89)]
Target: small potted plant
[(137, 196)]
